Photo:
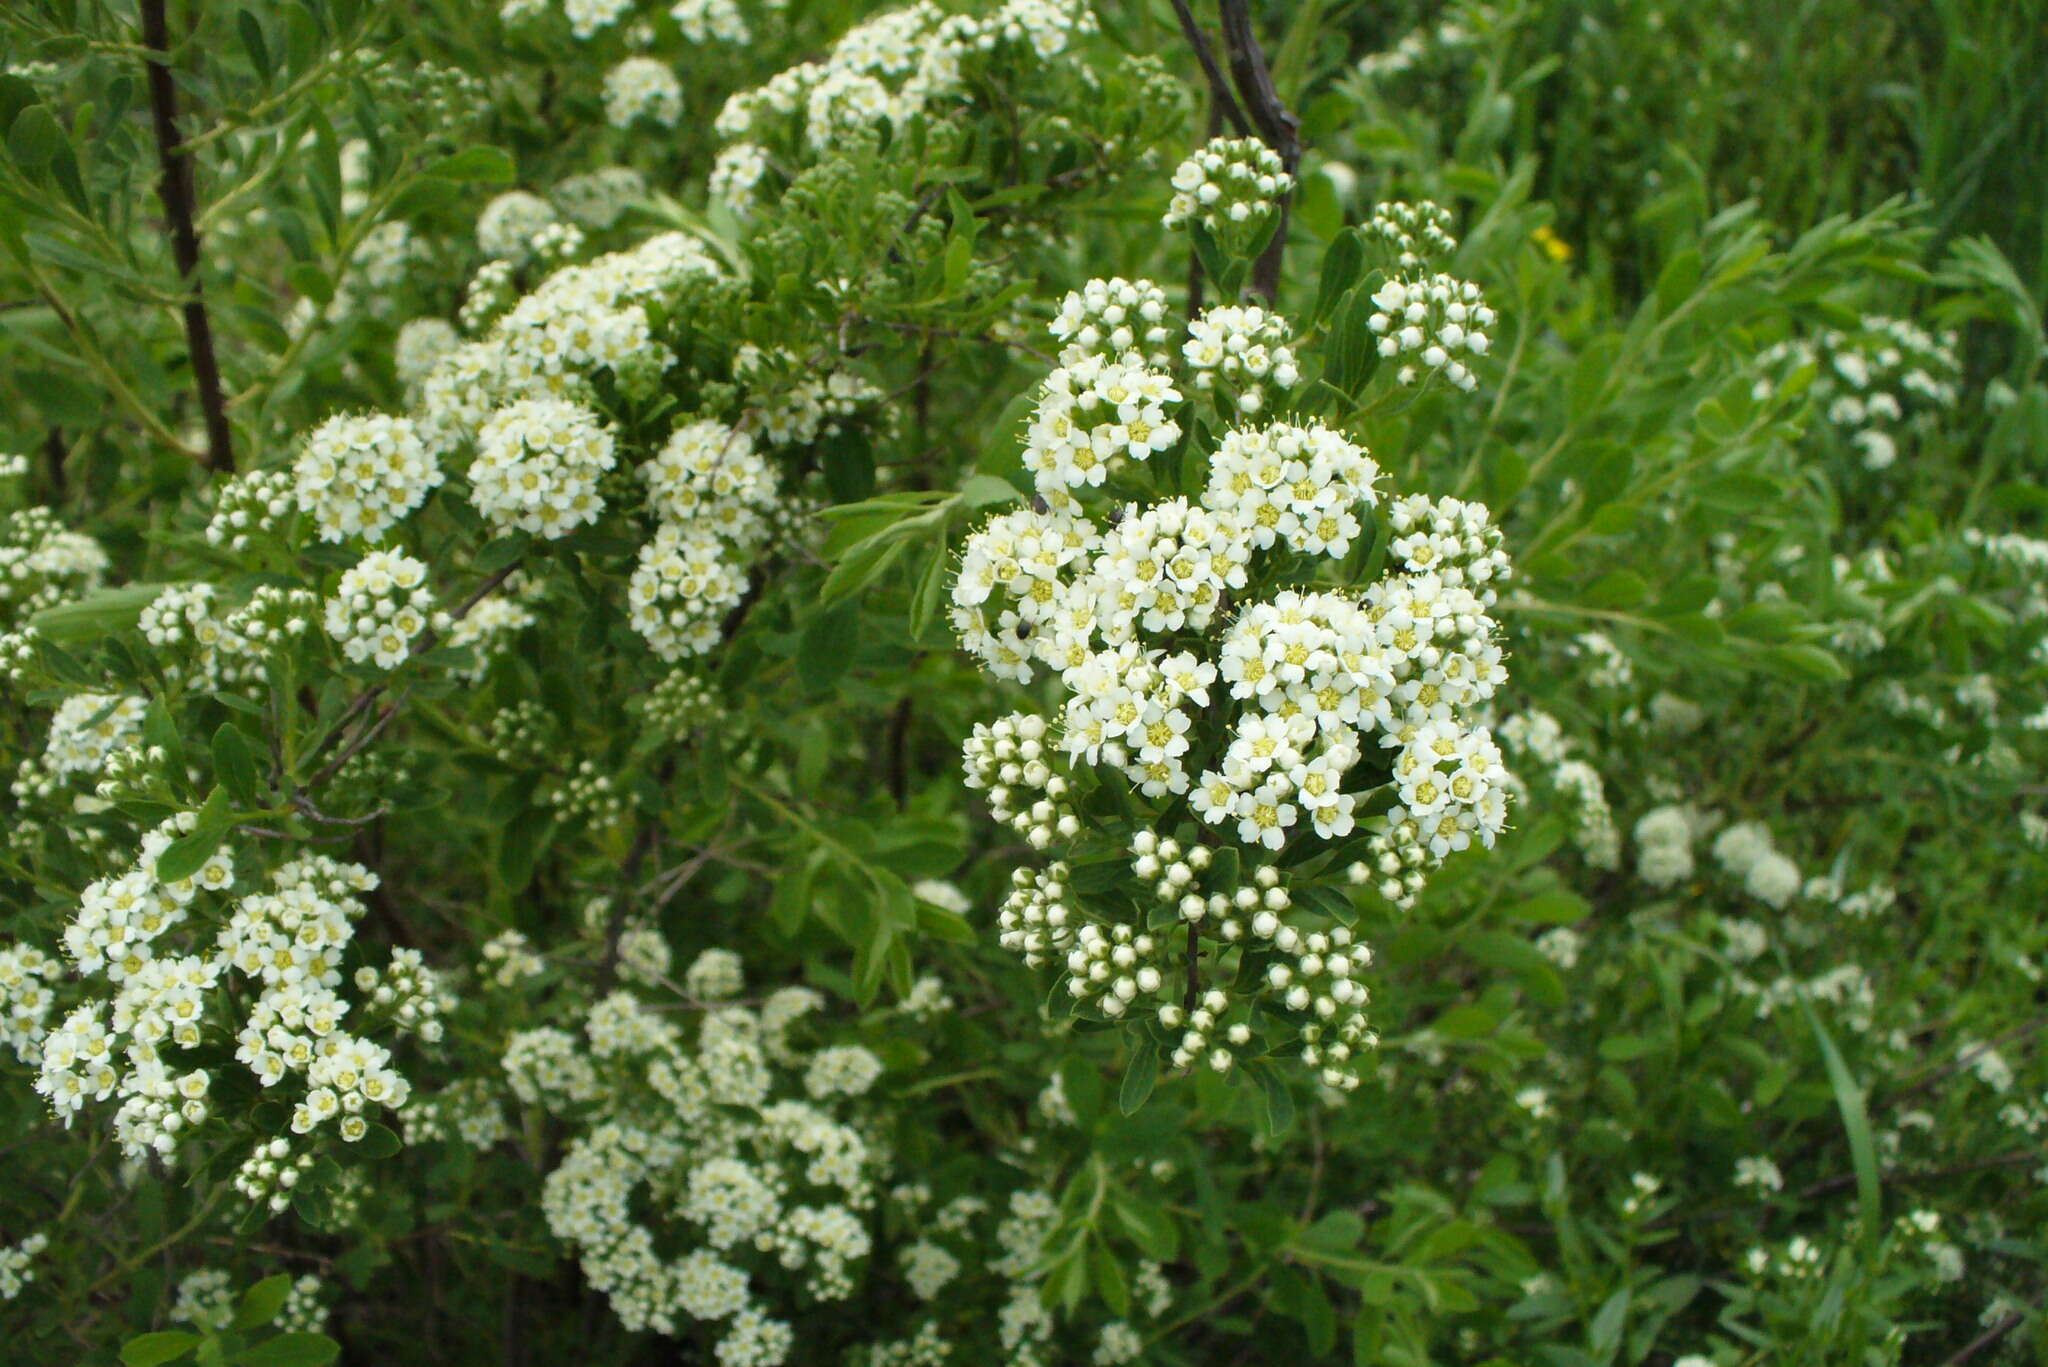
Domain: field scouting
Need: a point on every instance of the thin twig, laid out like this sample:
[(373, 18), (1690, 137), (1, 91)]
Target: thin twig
[(53, 460), (898, 740), (1219, 88), (1963, 1060), (362, 702), (1276, 124), (1195, 258), (174, 187), (2013, 1320)]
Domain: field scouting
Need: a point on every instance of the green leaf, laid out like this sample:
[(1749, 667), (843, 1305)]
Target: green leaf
[(861, 566), (16, 94), (981, 491), (1799, 661), (1499, 949), (378, 1143), (1335, 1234), (1209, 253), (1608, 1325), (501, 552), (423, 195), (99, 613), (291, 1350), (1553, 908), (1856, 1121), (1151, 1228), (959, 260), (1109, 1281), (490, 165), (1341, 265), (234, 764), (183, 857), (261, 1302), (942, 924), (930, 594), (1615, 589), (252, 40), (870, 961), (826, 647), (1680, 276), (1353, 347), (1279, 1107), (35, 137), (150, 1349), (1140, 1075), (849, 463)]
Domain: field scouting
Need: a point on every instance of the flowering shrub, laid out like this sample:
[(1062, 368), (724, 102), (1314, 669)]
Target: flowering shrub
[(613, 757)]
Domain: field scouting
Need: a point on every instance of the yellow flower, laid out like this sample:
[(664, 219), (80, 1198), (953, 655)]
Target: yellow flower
[(1554, 247)]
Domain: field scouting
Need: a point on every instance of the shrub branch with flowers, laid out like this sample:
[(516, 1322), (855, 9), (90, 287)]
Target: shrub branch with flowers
[(762, 682)]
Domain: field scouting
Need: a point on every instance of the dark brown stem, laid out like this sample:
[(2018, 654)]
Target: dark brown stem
[(174, 187), (2010, 1321), (1194, 971), (1224, 103), (53, 461), (899, 739), (1195, 258), (1280, 129)]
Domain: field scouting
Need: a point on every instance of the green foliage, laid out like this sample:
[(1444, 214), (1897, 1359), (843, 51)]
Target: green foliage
[(636, 849)]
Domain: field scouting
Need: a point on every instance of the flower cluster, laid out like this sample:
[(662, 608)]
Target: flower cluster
[(14, 1264), (42, 564), (538, 464), (1108, 318), (1238, 351), (642, 88), (1428, 323), (969, 1247), (736, 174), (680, 704), (1092, 414), (1545, 750), (380, 608), (163, 1007), (505, 229), (894, 66), (1231, 187), (581, 321), (595, 199), (252, 504), (760, 1189), (26, 999), (714, 495), (1664, 840), (1745, 851), (1194, 680), (358, 475), (1872, 382), (1417, 234), (705, 21)]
